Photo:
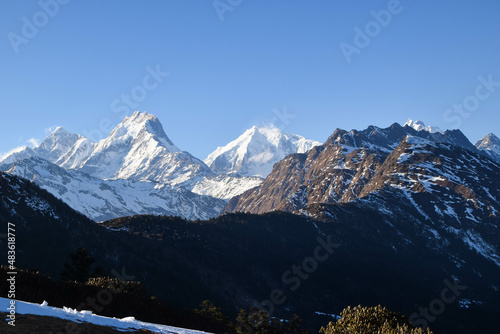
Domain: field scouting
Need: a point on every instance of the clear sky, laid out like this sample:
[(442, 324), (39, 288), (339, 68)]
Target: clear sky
[(329, 64)]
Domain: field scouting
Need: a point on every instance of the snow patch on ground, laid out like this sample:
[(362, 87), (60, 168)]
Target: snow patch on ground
[(125, 324), (475, 242), (334, 316)]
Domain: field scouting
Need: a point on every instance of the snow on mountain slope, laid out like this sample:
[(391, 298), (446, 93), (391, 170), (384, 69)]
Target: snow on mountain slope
[(490, 145), (225, 186), (15, 195), (453, 174), (75, 156), (54, 148), (385, 140), (56, 144), (138, 149), (256, 151), (17, 154), (420, 126), (106, 199), (125, 324), (336, 171), (449, 187)]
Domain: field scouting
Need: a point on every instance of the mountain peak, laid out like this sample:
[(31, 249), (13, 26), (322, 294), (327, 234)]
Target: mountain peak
[(268, 131), (256, 151), (138, 148), (141, 125), (420, 126), (142, 120), (489, 145), (59, 130), (491, 137), (57, 143), (265, 130), (489, 140), (140, 117)]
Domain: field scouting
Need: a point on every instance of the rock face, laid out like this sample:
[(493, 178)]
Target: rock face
[(350, 165), (448, 192)]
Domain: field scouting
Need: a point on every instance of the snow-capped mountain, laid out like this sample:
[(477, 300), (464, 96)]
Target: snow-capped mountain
[(490, 145), (138, 169), (135, 170), (56, 144), (420, 126), (101, 199), (256, 151), (138, 149)]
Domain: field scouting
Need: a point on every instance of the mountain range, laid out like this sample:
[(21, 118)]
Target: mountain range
[(407, 208), (137, 169), (340, 170)]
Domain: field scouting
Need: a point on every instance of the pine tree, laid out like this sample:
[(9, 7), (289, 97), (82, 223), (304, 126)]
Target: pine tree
[(79, 268)]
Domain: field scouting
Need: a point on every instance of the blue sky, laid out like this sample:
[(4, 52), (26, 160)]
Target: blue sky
[(263, 60)]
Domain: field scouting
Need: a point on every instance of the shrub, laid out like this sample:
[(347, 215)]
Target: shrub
[(371, 320)]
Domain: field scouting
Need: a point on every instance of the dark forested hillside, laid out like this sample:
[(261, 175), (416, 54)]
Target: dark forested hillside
[(349, 254)]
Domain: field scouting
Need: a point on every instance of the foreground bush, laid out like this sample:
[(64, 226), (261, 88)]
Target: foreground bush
[(371, 320)]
